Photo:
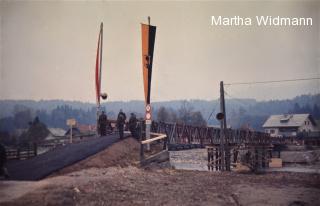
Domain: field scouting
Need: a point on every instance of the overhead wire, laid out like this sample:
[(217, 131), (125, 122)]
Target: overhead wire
[(214, 109), (274, 81)]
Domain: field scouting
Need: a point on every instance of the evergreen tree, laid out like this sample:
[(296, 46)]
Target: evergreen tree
[(316, 111)]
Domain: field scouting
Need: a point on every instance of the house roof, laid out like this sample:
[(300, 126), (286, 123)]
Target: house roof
[(75, 131), (57, 131), (86, 128), (288, 120)]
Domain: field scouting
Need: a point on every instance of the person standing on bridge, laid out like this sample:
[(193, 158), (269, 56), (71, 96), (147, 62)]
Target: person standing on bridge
[(121, 120), (103, 120), (3, 160), (133, 125)]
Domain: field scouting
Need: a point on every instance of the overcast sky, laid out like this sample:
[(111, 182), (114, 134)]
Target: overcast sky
[(48, 50)]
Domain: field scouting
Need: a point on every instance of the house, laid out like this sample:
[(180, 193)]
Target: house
[(82, 130), (75, 131), (55, 133), (86, 128), (289, 125)]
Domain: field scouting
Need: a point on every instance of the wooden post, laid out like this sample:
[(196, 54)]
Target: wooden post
[(141, 152), (71, 123), (208, 150), (71, 134), (165, 143), (216, 158), (18, 153), (148, 127), (223, 125), (141, 145), (35, 149)]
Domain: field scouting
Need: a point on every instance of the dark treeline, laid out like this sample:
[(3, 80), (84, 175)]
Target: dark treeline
[(184, 115), (249, 117), (22, 116), (240, 112), (28, 126)]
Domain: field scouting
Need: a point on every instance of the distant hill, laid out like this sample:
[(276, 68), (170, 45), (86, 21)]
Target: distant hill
[(239, 111)]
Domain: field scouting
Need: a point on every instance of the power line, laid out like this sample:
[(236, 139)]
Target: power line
[(273, 81), (236, 99), (215, 107)]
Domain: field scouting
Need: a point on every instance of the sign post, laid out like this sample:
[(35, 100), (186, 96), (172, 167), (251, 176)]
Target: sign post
[(148, 38), (148, 124), (71, 123)]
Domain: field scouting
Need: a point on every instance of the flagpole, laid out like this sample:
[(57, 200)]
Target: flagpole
[(148, 121), (98, 72)]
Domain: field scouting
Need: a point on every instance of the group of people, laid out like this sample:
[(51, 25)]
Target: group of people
[(103, 124)]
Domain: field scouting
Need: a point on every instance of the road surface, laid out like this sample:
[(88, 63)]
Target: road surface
[(43, 165)]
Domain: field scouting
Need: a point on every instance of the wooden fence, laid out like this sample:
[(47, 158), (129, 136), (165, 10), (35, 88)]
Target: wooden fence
[(21, 153)]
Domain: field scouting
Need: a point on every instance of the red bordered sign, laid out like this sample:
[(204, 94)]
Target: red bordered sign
[(148, 112)]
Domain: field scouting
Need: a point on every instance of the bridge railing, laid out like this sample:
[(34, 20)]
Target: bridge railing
[(188, 134)]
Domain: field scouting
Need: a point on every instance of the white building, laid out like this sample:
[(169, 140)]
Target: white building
[(288, 125), (55, 133)]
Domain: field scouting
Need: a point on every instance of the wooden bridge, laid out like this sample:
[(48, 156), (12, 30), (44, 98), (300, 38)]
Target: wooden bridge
[(208, 136), (250, 148)]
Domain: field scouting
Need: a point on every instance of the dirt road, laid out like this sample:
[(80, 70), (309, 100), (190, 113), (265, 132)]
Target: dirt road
[(134, 186)]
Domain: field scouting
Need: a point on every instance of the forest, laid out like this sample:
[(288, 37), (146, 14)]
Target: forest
[(17, 114)]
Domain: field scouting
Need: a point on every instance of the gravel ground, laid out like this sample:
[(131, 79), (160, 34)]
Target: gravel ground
[(134, 186), (111, 178)]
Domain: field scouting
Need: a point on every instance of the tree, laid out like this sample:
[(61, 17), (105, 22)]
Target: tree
[(242, 111), (36, 132), (163, 115), (296, 109), (316, 111), (7, 124), (22, 118), (187, 115), (197, 119), (5, 138)]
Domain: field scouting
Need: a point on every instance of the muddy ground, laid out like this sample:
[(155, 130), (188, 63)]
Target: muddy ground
[(87, 183)]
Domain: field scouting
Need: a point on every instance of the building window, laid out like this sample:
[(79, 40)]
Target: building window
[(272, 131)]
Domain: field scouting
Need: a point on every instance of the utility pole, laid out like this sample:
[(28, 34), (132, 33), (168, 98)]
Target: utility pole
[(223, 125)]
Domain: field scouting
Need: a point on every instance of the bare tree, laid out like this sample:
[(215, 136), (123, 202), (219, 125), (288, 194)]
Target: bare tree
[(163, 115)]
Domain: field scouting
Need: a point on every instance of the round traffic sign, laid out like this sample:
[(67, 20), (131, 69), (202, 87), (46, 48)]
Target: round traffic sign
[(148, 116), (148, 108)]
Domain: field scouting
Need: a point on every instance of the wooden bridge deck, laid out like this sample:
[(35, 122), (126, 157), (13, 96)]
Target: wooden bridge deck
[(43, 165)]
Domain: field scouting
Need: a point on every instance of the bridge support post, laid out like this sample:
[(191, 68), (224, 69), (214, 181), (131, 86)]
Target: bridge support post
[(141, 139), (148, 127)]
